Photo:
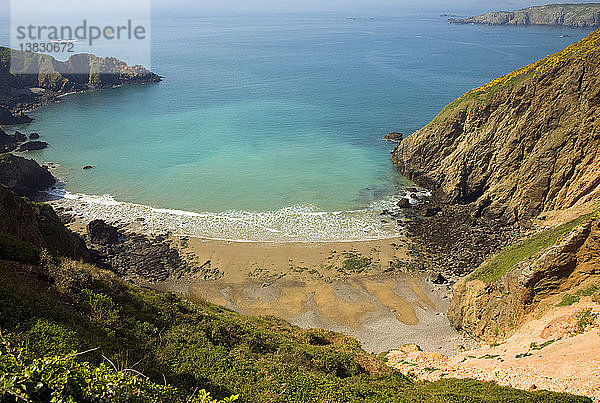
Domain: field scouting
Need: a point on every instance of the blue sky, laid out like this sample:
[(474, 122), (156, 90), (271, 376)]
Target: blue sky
[(264, 6)]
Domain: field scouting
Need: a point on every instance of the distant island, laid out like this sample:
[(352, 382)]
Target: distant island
[(564, 15)]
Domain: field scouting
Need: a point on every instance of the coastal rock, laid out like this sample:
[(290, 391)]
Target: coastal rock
[(394, 136), (454, 242), (8, 118), (403, 203), (493, 311), (137, 257), (19, 137), (24, 177), (88, 167), (7, 143), (32, 146), (100, 232), (565, 15), (431, 211), (43, 79), (524, 144), (37, 225), (439, 279), (34, 136)]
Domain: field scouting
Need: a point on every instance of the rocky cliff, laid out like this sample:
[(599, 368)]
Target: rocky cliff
[(567, 15), (492, 302), (525, 143), (26, 228), (28, 79), (24, 177)]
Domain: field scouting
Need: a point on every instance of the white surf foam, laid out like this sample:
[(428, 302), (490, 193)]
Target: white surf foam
[(303, 223)]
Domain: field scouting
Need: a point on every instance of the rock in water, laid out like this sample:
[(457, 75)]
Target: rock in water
[(32, 146), (24, 177), (88, 167), (394, 136), (34, 136)]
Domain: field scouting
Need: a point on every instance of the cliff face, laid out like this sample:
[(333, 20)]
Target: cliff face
[(80, 71), (24, 225), (493, 310), (50, 77), (568, 15), (523, 144), (24, 177)]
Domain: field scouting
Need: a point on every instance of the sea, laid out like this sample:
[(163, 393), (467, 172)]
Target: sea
[(270, 127)]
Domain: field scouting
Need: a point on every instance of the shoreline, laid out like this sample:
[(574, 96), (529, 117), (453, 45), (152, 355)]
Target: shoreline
[(362, 289), (294, 224)]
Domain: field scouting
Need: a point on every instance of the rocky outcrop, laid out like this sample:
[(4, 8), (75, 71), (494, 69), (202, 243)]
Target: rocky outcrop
[(24, 177), (135, 257), (493, 311), (566, 15), (394, 136), (30, 79), (32, 146), (23, 222), (525, 143), (9, 118), (12, 142)]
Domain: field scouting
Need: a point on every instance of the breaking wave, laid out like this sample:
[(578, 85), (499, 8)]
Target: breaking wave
[(303, 223)]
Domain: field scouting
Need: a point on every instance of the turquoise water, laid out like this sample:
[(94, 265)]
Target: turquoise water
[(258, 114)]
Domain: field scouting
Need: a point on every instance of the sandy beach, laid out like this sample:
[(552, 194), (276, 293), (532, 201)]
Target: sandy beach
[(311, 285), (361, 288)]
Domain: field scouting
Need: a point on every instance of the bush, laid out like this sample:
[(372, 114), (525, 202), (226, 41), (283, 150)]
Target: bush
[(12, 249), (51, 311)]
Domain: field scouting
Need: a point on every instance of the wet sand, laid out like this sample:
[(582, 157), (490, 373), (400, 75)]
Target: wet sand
[(311, 285)]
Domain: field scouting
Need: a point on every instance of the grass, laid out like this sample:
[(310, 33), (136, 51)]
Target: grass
[(50, 311), (535, 346), (509, 257), (585, 318), (13, 249), (570, 299)]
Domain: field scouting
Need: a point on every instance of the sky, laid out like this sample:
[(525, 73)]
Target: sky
[(284, 6)]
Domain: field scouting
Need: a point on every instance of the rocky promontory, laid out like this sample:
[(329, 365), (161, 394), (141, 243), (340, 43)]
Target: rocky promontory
[(24, 177), (526, 143), (565, 15), (31, 79)]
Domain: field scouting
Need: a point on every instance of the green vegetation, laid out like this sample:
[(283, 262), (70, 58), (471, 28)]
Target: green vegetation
[(585, 318), (570, 299), (509, 257), (12, 249), (143, 345), (535, 346), (481, 95), (354, 263)]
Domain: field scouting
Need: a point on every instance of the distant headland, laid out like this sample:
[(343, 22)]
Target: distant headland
[(564, 15)]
